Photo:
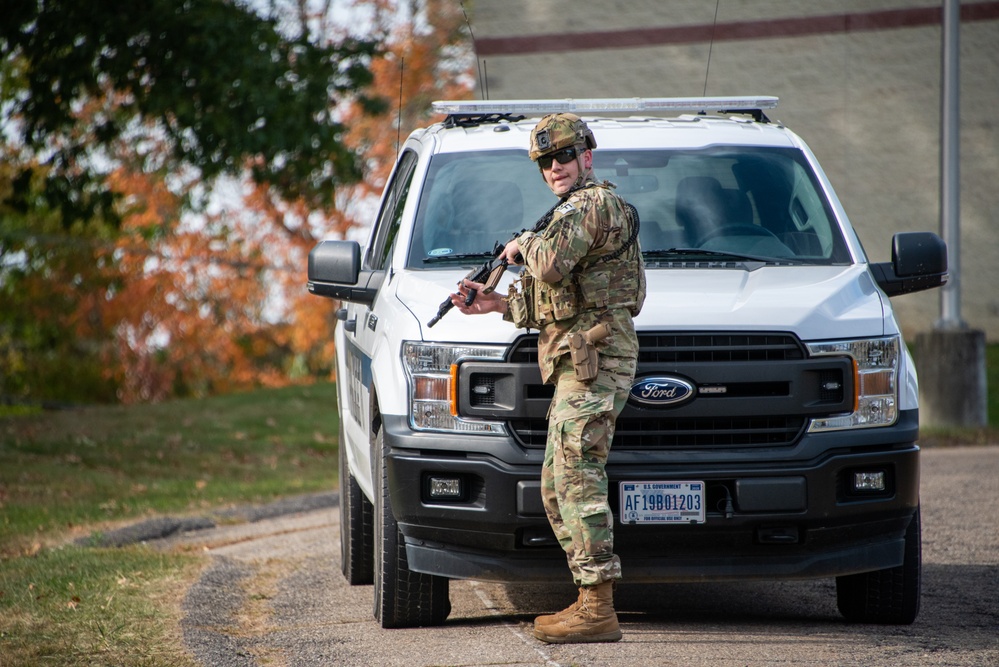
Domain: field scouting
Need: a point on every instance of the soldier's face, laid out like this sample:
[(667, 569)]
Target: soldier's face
[(561, 177)]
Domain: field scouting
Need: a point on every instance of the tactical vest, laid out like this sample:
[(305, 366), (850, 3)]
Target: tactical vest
[(597, 282)]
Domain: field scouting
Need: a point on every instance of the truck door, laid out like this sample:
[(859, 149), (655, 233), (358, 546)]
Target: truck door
[(360, 321)]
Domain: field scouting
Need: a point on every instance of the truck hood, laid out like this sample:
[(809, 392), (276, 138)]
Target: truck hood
[(814, 302)]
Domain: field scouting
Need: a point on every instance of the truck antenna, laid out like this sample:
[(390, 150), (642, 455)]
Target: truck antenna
[(398, 125), (711, 46), (483, 89)]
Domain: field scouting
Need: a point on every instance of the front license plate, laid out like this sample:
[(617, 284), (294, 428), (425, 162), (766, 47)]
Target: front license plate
[(662, 502)]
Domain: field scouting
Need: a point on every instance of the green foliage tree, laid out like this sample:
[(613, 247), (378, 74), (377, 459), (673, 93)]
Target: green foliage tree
[(189, 89), (47, 343), (221, 82)]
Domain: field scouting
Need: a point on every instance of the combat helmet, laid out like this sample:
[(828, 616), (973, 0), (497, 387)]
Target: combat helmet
[(557, 131)]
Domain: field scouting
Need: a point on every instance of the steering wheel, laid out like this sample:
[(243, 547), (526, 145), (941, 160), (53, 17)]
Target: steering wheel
[(736, 230)]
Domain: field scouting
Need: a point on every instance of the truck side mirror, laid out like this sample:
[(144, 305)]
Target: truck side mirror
[(335, 271), (918, 262)]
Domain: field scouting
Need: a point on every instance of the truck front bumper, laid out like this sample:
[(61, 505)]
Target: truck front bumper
[(779, 517)]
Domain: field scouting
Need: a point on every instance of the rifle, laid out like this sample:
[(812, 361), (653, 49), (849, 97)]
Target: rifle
[(492, 270), (489, 274)]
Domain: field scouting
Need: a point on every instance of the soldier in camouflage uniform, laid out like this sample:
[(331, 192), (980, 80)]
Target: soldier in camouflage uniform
[(581, 271)]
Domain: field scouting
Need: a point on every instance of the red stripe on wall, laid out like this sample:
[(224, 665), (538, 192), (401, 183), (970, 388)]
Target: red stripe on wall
[(788, 27)]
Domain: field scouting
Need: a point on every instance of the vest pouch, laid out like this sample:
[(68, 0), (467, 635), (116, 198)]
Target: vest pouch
[(594, 287), (553, 303), (519, 303), (565, 305)]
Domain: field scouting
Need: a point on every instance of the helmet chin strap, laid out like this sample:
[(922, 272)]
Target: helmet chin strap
[(581, 177)]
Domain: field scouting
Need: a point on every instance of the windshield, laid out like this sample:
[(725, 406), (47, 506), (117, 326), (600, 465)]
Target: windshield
[(751, 202)]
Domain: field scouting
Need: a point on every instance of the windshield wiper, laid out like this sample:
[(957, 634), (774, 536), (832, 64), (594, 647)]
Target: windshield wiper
[(461, 257), (718, 254)]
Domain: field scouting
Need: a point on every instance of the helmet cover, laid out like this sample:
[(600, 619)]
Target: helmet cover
[(557, 131)]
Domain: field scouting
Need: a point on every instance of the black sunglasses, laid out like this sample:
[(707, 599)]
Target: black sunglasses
[(563, 156)]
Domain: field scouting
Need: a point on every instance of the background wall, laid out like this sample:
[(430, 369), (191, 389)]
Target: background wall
[(859, 80)]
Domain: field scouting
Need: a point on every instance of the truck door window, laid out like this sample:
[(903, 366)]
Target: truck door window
[(390, 216)]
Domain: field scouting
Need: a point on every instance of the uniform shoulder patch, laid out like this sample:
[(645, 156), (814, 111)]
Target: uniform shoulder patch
[(566, 208)]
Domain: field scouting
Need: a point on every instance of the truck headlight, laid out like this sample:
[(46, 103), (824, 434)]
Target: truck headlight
[(875, 382), (431, 371)]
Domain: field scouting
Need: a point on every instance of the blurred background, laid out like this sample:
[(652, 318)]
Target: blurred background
[(858, 80), (166, 167)]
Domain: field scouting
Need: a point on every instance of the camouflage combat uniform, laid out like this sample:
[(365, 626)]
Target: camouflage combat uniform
[(592, 223)]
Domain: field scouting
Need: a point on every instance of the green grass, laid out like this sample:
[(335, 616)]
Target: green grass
[(76, 606), (64, 469), (65, 474)]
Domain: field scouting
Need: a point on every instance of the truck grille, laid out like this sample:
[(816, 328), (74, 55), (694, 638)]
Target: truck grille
[(716, 348), (643, 428), (695, 347)]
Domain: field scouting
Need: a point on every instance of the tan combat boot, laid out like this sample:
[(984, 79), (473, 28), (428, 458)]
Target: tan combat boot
[(592, 620), (548, 619)]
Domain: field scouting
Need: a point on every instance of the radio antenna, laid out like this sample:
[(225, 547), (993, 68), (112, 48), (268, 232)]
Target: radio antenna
[(483, 91), (398, 125), (711, 46)]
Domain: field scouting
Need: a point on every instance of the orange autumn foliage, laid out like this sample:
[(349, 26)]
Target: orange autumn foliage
[(417, 67), (188, 311), (217, 302)]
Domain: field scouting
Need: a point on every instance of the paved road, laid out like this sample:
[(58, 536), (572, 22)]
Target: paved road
[(274, 596)]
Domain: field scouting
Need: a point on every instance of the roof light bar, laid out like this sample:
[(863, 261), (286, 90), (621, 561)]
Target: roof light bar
[(606, 105)]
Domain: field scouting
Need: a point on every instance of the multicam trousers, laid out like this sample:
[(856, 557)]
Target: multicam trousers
[(573, 480)]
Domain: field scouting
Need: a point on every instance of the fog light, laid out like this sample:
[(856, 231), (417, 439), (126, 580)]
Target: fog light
[(873, 481), (446, 488)]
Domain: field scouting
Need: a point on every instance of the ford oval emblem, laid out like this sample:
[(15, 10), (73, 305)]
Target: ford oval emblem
[(662, 390)]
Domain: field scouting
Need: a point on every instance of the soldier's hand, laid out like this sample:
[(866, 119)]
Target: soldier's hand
[(512, 252), (483, 303)]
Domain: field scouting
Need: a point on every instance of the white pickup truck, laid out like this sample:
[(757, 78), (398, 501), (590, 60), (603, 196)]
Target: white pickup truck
[(771, 431)]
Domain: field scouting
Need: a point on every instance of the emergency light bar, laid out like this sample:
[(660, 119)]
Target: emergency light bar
[(605, 105)]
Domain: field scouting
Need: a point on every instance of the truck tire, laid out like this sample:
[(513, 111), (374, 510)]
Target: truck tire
[(357, 527), (403, 598), (888, 596)]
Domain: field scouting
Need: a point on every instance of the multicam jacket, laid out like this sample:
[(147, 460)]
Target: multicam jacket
[(569, 284)]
